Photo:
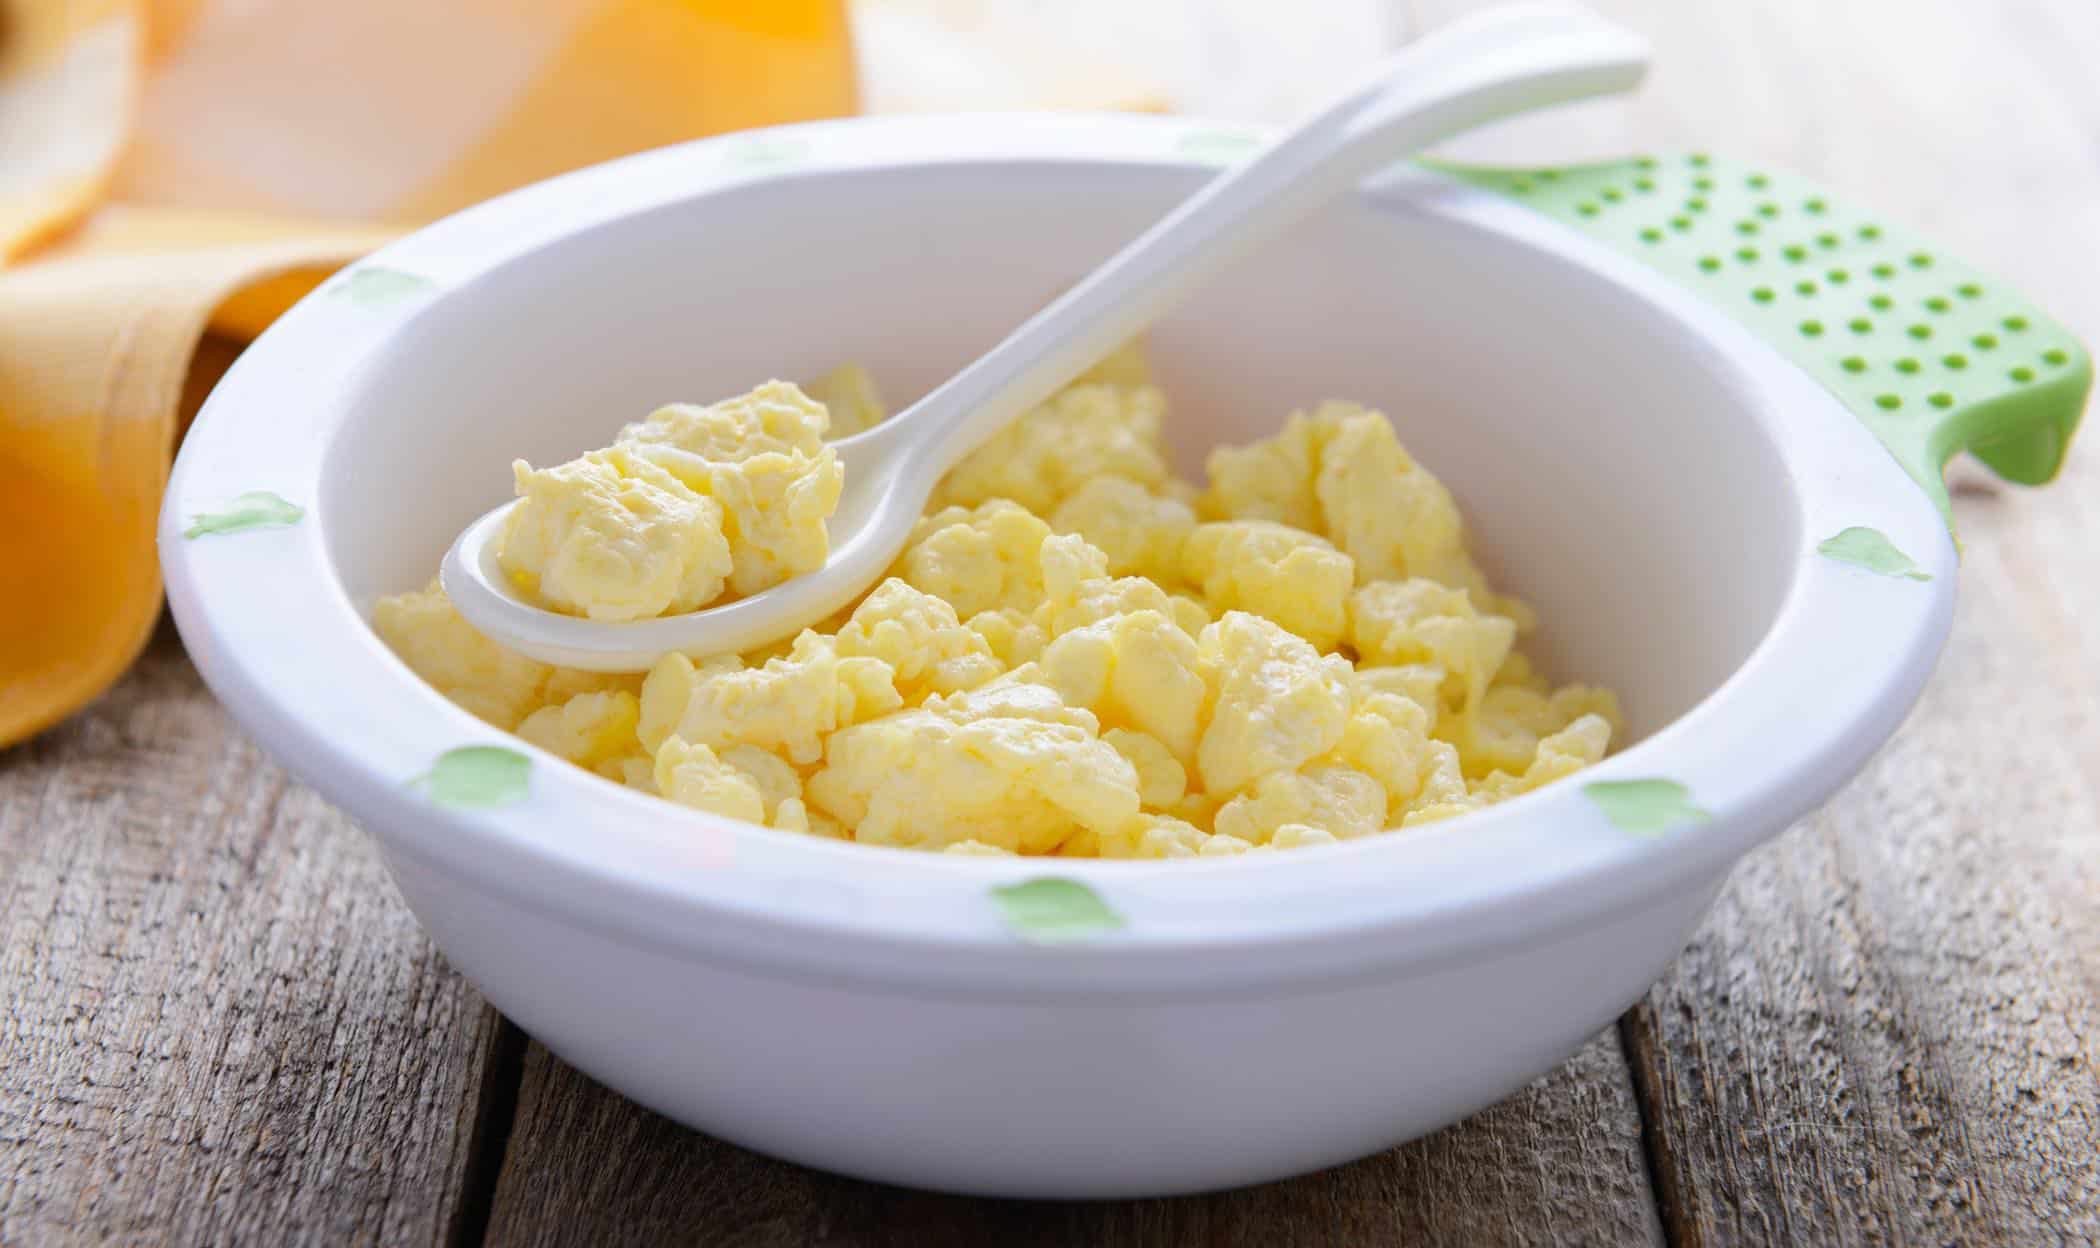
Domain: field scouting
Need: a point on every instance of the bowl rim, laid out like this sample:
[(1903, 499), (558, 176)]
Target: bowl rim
[(272, 629)]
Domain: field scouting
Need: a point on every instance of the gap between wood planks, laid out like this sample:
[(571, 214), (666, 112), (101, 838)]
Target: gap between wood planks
[(1636, 1042), (489, 1143)]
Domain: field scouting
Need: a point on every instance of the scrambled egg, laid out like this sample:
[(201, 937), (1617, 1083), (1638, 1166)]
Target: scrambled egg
[(1088, 430), (687, 505), (1076, 655), (1295, 578)]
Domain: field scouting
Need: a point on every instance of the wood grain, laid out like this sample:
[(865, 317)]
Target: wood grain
[(1887, 1031), (1559, 1163), (218, 1024)]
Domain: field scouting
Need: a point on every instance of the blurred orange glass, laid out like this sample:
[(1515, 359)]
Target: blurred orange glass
[(695, 67), (403, 110)]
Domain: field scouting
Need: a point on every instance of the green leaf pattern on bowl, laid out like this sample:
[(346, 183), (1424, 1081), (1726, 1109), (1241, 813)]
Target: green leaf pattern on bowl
[(476, 777), (257, 509), (1645, 807), (1052, 910), (1217, 147), (767, 153), (376, 286), (1871, 549)]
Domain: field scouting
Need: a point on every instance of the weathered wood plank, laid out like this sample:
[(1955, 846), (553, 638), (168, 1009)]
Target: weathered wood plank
[(1559, 1163), (1887, 1032), (218, 1023)]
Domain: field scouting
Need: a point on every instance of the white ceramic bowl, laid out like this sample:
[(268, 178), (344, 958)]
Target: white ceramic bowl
[(1651, 475)]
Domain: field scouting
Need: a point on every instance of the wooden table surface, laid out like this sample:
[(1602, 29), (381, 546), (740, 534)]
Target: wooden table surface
[(220, 1024)]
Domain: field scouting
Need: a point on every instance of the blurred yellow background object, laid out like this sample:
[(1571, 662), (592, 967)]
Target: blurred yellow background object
[(174, 174)]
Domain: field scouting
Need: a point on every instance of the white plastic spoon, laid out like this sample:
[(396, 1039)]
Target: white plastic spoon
[(1497, 64)]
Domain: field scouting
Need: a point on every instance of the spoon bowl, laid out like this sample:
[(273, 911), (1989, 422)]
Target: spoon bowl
[(881, 499)]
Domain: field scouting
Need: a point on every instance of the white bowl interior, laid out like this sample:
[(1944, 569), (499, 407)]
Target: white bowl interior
[(1608, 470)]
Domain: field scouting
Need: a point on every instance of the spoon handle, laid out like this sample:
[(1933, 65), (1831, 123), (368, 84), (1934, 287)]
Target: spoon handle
[(1499, 63)]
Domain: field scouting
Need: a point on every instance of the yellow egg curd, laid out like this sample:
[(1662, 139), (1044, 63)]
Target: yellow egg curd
[(1076, 655)]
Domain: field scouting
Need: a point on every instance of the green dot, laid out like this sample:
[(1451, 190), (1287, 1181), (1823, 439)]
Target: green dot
[(1883, 270), (1651, 235), (1919, 260), (1680, 224), (1860, 325), (1838, 277), (1644, 185), (2054, 356), (1611, 194), (1804, 288), (1699, 160), (1854, 364), (1817, 205), (1937, 304), (1826, 240), (1920, 332), (1888, 402), (1695, 204), (1645, 162), (2023, 374), (1813, 329), (1907, 365), (1969, 290), (1748, 255), (1795, 251), (1956, 362), (1757, 181), (1549, 175), (1763, 294), (1710, 264), (1984, 342), (1881, 303), (1586, 209), (1870, 232), (2015, 324), (1521, 186), (1746, 228), (1941, 398), (1768, 211)]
